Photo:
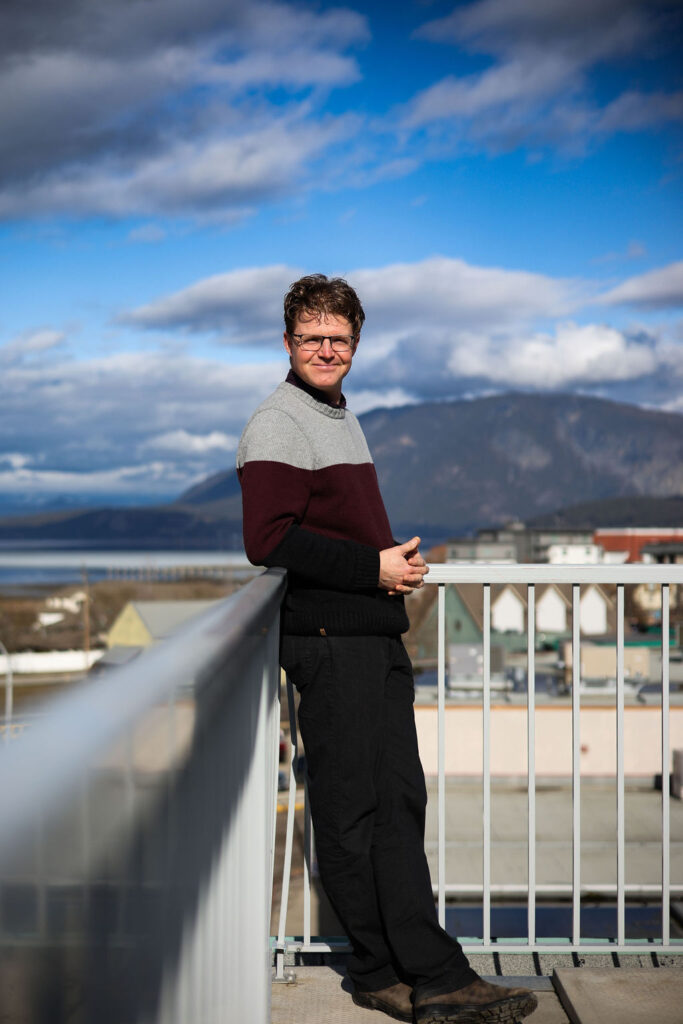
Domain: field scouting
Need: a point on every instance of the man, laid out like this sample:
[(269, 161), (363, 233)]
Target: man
[(312, 504)]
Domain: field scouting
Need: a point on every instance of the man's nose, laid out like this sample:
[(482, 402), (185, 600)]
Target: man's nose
[(326, 350)]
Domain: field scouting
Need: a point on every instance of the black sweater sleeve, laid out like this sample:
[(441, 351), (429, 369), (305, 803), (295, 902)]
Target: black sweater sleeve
[(341, 564)]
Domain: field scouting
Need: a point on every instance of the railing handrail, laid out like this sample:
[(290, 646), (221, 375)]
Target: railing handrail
[(520, 572), (75, 727)]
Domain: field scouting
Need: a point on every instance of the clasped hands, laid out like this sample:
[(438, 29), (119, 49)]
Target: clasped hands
[(402, 568)]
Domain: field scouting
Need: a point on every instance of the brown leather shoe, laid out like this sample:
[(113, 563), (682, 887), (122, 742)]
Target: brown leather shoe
[(477, 1003), (394, 1001)]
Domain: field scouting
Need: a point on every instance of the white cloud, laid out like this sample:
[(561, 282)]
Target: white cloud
[(434, 327), (244, 304), (670, 351), (574, 354), (16, 460), (431, 326), (29, 342), (156, 421), (221, 173), (135, 108), (296, 68), (470, 96), (122, 480), (658, 289), (537, 89), (429, 295), (365, 399), (440, 293), (589, 29), (675, 405), (182, 442), (637, 111)]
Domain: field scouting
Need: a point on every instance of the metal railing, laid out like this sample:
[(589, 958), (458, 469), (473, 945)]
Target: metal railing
[(531, 575), (137, 823)]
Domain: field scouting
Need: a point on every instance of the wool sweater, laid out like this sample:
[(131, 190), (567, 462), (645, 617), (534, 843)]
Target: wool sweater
[(311, 504)]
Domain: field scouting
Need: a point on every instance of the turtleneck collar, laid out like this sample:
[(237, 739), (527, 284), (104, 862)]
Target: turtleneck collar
[(320, 396)]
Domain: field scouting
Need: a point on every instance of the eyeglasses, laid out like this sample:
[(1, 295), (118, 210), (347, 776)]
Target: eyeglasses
[(342, 343)]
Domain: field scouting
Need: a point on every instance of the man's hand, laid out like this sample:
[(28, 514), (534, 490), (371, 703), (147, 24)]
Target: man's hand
[(401, 569)]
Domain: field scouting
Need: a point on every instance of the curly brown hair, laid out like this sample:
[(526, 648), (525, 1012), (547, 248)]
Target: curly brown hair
[(317, 295)]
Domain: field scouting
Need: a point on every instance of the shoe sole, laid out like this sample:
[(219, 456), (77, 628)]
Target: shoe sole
[(507, 1011), (369, 1002)]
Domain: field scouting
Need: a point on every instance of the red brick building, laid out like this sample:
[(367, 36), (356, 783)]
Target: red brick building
[(634, 538)]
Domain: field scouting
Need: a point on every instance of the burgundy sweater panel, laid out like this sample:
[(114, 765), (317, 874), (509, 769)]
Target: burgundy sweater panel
[(274, 497), (342, 502), (327, 525)]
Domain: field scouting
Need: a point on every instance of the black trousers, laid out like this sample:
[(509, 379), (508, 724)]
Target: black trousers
[(368, 800)]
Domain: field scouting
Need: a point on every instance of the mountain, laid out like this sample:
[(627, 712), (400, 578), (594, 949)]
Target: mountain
[(637, 511), (217, 487), (516, 456), (446, 468), (151, 528), (35, 505)]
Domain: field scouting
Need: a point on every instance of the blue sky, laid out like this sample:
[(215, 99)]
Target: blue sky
[(501, 180)]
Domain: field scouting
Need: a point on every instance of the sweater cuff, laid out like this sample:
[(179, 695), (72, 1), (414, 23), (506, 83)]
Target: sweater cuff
[(366, 568)]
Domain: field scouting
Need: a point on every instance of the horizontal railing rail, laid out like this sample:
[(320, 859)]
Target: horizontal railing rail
[(137, 820), (443, 572), (441, 575)]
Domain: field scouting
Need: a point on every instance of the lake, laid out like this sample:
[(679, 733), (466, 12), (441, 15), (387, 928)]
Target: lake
[(22, 565)]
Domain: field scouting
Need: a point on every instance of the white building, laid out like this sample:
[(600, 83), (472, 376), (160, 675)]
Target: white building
[(553, 609), (508, 611), (584, 554), (575, 554), (67, 602)]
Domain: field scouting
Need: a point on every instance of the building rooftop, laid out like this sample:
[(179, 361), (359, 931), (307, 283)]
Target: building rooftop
[(164, 617)]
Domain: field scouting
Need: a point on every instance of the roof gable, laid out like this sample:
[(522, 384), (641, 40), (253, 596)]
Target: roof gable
[(161, 618)]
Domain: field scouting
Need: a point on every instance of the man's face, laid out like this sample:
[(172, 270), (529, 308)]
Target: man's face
[(324, 369)]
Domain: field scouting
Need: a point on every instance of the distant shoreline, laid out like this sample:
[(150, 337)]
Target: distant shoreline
[(26, 565)]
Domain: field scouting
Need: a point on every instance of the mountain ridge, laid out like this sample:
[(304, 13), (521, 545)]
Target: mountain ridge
[(444, 468)]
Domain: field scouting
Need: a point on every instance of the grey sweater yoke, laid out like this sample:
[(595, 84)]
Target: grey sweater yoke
[(293, 428)]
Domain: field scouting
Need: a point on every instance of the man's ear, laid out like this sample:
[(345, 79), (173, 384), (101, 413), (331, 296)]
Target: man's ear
[(287, 343)]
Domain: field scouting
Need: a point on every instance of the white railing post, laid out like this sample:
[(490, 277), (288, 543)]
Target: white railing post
[(271, 692), (621, 904), (666, 756), (576, 765), (308, 865), (441, 748), (531, 761), (281, 974), (486, 768), (9, 692)]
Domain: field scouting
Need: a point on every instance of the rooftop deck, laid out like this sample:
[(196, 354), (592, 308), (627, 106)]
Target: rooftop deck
[(594, 995)]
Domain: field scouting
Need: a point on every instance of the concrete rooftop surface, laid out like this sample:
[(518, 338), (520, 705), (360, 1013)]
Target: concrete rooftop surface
[(509, 850), (643, 828), (322, 995), (571, 995)]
